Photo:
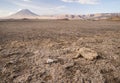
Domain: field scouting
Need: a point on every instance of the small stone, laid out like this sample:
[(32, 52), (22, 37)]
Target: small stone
[(36, 52), (50, 61), (87, 53), (68, 65)]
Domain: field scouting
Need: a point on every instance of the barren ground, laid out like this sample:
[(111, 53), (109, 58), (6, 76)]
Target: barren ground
[(25, 47)]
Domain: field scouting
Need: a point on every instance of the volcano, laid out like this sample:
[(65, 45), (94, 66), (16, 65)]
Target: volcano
[(24, 13)]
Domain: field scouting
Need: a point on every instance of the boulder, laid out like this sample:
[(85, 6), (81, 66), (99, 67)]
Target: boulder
[(87, 53)]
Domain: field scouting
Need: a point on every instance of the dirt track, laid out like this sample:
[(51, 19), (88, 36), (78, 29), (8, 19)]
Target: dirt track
[(25, 46)]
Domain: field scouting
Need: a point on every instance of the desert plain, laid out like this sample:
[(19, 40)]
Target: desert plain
[(44, 51)]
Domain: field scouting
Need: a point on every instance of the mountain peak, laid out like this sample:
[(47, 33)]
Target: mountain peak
[(24, 13), (25, 10)]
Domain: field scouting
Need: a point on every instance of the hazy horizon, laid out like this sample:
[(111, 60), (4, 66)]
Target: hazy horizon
[(53, 7)]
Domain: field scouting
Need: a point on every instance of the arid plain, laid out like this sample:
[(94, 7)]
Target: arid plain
[(44, 51)]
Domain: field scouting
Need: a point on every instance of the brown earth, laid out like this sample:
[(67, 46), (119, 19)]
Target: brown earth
[(43, 51)]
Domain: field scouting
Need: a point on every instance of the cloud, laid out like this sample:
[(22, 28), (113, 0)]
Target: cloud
[(3, 13), (25, 5), (83, 1), (58, 7), (42, 9), (27, 0)]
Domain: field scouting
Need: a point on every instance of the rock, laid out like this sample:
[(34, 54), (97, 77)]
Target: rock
[(36, 52), (77, 56), (87, 53), (49, 61), (68, 65)]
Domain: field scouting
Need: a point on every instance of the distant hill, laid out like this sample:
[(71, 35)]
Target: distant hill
[(101, 16), (114, 18)]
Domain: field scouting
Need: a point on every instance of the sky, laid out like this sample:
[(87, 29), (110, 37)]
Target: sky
[(53, 7)]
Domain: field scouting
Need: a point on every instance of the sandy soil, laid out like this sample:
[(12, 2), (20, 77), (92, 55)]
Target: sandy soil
[(43, 51)]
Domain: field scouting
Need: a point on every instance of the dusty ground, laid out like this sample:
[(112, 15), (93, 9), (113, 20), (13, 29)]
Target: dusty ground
[(25, 47)]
